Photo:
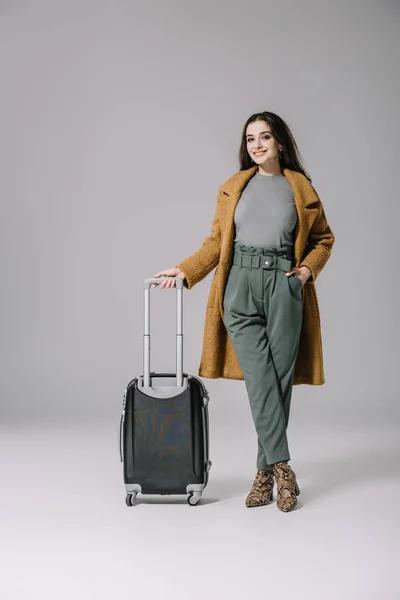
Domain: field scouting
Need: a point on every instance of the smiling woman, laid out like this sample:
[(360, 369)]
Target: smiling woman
[(270, 239), (260, 141)]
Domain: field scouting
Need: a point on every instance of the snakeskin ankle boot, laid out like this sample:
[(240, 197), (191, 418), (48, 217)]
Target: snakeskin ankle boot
[(287, 487), (262, 491)]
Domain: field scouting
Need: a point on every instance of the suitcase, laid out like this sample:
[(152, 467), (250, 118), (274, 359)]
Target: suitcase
[(164, 429)]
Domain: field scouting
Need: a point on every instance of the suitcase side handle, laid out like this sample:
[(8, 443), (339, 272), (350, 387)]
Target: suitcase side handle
[(121, 427), (121, 436), (179, 330)]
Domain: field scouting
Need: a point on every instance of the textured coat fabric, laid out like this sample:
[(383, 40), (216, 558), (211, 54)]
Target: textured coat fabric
[(313, 241)]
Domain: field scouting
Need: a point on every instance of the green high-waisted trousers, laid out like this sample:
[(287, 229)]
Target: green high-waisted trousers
[(263, 312)]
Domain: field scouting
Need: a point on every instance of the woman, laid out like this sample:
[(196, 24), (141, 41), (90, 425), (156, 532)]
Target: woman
[(269, 241)]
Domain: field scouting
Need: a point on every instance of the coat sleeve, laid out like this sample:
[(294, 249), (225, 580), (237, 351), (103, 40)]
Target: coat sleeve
[(319, 244), (199, 264)]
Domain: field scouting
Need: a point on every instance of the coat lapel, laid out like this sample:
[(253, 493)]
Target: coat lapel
[(304, 197)]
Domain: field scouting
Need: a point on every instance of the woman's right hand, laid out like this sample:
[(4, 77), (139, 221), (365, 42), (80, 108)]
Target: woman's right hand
[(172, 273)]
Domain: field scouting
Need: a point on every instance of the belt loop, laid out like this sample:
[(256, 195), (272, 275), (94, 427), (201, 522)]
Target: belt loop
[(241, 257)]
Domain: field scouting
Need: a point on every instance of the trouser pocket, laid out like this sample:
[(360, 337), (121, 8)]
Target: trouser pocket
[(231, 285), (295, 284)]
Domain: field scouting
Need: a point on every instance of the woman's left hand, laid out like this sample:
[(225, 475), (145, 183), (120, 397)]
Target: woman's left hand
[(303, 273)]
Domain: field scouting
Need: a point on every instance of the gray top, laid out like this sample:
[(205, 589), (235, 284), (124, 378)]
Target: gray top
[(266, 214)]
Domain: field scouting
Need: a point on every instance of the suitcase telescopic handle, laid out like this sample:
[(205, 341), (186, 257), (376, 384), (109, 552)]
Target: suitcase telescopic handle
[(179, 330), (150, 280)]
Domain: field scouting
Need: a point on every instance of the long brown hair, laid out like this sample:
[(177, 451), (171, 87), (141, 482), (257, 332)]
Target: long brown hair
[(281, 132)]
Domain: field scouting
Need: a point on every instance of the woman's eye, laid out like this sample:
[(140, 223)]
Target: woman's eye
[(264, 137)]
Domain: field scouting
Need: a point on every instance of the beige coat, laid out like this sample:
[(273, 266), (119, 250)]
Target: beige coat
[(312, 247)]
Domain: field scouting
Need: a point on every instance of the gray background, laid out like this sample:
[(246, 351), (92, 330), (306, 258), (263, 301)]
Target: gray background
[(119, 122)]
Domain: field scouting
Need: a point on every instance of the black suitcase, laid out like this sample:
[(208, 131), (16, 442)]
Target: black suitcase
[(164, 429)]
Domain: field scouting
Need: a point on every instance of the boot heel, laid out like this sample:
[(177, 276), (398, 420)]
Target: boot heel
[(296, 489)]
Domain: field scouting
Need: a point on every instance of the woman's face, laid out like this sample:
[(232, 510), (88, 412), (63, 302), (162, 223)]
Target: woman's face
[(261, 144)]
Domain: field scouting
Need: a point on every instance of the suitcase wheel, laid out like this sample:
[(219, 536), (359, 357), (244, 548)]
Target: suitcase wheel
[(193, 498), (130, 499)]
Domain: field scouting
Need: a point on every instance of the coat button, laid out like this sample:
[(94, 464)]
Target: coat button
[(266, 262)]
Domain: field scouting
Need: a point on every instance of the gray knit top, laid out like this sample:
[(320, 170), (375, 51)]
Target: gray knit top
[(266, 214)]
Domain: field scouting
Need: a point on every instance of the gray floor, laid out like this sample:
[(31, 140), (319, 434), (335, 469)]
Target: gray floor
[(67, 534)]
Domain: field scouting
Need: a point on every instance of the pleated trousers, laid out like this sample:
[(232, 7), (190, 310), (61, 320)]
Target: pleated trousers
[(263, 311)]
